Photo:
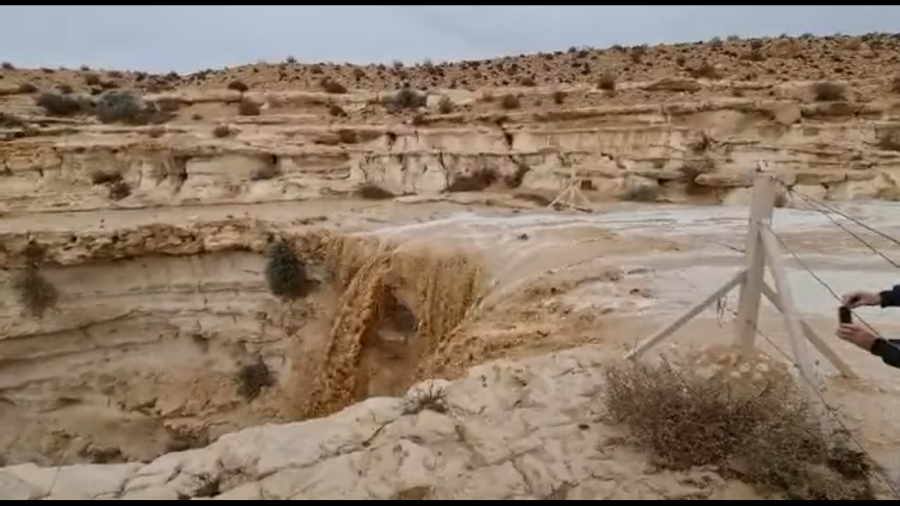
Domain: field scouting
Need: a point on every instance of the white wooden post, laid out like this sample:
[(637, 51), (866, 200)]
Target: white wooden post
[(761, 209), (795, 333), (762, 248)]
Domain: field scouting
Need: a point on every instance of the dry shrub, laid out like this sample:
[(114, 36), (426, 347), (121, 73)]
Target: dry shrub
[(35, 293), (8, 120), (333, 87), (405, 98), (336, 111), (123, 107), (510, 101), (559, 97), (607, 82), (253, 377), (371, 191), (221, 131), (763, 435), (826, 91), (238, 86), (285, 273), (247, 107), (119, 190), (637, 53), (63, 105)]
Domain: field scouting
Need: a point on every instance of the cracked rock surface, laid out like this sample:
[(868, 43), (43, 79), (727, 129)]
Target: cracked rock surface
[(526, 430)]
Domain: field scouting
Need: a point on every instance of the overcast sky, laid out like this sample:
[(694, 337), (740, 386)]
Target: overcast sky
[(188, 38)]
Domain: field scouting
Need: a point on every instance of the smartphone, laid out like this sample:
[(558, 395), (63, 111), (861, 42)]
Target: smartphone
[(844, 315)]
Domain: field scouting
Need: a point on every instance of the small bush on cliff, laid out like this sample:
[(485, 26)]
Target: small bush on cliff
[(765, 437), (252, 378), (559, 97), (119, 190), (607, 82), (829, 92), (55, 104), (509, 102), (35, 293), (285, 273), (405, 98), (332, 86), (247, 107), (238, 86), (123, 107), (221, 131)]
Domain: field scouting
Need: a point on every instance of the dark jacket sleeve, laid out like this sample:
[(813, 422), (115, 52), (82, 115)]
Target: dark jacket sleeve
[(888, 350), (891, 298)]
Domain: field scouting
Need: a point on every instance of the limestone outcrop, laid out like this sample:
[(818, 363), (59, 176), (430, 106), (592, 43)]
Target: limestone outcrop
[(529, 430)]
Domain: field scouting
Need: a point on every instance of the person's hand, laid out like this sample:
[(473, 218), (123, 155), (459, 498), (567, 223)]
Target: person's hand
[(859, 299), (853, 333)]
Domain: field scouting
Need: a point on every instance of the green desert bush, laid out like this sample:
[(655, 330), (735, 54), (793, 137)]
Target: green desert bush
[(285, 273)]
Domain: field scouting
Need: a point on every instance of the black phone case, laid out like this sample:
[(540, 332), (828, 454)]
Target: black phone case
[(844, 315)]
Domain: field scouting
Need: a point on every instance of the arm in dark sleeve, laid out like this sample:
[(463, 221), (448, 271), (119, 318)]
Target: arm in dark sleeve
[(888, 350), (891, 298)]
